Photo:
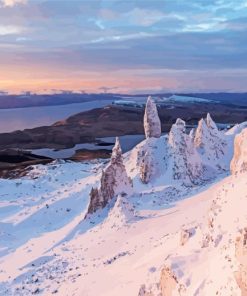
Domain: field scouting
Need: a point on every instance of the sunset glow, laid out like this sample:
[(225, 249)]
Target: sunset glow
[(121, 47)]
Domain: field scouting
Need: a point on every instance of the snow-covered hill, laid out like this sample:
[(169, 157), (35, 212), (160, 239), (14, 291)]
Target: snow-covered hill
[(188, 99), (166, 218)]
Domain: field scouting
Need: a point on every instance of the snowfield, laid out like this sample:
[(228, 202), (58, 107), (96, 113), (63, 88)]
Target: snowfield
[(174, 235)]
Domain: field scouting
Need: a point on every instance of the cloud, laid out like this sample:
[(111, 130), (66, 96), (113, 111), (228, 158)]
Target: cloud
[(239, 24), (144, 17), (22, 39), (59, 38), (9, 30), (12, 3)]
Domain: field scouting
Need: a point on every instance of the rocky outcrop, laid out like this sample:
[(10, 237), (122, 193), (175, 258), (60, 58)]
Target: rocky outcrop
[(185, 235), (152, 125), (211, 124), (113, 181), (187, 165), (241, 256), (96, 201), (145, 292), (116, 157), (192, 158), (169, 283), (239, 161), (209, 141)]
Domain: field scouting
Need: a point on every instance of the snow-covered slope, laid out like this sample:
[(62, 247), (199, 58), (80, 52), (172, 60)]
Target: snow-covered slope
[(129, 248), (182, 158), (178, 231)]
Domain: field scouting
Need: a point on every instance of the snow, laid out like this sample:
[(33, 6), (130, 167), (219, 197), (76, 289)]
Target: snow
[(180, 158), (187, 99), (47, 247), (129, 254)]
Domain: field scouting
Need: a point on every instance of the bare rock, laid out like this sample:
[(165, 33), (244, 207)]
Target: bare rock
[(114, 180), (144, 291), (169, 283), (207, 240), (239, 161), (241, 255), (96, 201), (185, 235)]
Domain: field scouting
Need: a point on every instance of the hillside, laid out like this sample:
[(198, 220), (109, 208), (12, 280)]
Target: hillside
[(26, 100), (112, 120), (165, 219)]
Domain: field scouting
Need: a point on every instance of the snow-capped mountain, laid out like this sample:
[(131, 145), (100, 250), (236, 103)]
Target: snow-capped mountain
[(167, 218)]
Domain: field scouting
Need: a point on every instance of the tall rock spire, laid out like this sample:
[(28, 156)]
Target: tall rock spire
[(186, 165), (116, 156), (209, 141), (201, 134), (210, 123), (152, 125), (114, 180)]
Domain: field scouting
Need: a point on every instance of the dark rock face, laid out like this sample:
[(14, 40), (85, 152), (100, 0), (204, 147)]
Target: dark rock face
[(107, 184), (96, 201), (16, 163)]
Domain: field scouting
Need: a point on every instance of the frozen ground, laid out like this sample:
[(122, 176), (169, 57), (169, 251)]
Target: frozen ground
[(47, 247)]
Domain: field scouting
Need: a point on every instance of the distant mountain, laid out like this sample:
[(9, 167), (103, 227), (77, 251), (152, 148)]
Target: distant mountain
[(33, 100), (24, 101), (189, 99), (239, 99), (114, 120)]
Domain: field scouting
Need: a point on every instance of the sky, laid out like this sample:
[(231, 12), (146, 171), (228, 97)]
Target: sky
[(123, 46)]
